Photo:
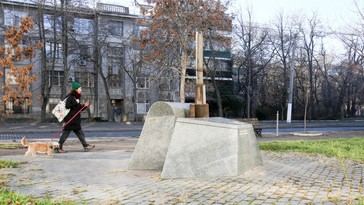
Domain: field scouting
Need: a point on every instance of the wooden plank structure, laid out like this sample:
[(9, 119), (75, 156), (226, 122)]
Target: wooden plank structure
[(200, 108)]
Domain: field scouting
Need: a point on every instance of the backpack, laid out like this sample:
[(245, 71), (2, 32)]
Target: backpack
[(60, 111)]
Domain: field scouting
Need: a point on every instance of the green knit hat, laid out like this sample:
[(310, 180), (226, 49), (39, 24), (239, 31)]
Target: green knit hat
[(75, 85)]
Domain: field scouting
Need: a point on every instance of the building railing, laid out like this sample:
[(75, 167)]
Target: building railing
[(217, 54), (115, 91), (112, 8)]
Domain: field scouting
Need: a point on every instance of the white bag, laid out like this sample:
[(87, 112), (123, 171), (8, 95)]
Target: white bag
[(60, 111)]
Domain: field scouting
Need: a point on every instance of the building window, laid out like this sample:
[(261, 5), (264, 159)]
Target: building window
[(9, 77), (86, 79), (114, 70), (116, 52), (83, 26), (49, 22), (85, 51), (114, 80), (116, 28), (21, 108), (142, 82), (115, 65), (142, 108), (142, 96), (49, 50), (166, 84), (116, 59), (13, 18), (85, 54), (56, 78)]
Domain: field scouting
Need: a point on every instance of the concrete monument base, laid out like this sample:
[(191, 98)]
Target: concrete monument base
[(152, 146), (211, 147)]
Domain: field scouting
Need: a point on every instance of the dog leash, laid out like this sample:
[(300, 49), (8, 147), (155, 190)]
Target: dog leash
[(65, 124)]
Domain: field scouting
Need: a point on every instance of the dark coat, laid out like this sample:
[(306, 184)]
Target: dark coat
[(75, 106)]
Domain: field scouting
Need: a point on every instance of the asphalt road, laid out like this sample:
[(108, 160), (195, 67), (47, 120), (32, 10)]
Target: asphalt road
[(135, 133), (18, 130)]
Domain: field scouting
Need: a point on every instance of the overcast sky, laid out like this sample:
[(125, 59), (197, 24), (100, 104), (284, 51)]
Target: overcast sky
[(334, 13), (337, 15)]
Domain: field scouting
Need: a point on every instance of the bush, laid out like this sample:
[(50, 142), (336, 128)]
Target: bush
[(233, 105)]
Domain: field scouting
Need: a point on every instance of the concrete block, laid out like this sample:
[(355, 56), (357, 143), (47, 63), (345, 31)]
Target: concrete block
[(211, 147), (152, 146)]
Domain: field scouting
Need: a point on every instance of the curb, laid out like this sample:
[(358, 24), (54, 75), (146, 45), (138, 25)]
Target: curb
[(307, 134)]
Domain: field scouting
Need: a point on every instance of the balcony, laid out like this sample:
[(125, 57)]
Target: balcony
[(217, 54), (115, 92), (112, 8)]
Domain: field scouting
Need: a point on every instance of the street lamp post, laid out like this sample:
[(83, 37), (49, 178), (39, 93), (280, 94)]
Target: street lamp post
[(291, 78)]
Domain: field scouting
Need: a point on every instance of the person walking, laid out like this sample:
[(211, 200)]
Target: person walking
[(73, 119)]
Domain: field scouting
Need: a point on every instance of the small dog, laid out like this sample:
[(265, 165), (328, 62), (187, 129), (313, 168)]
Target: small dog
[(38, 147)]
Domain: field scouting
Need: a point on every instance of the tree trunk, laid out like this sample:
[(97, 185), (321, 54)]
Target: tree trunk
[(97, 65), (98, 68), (218, 96), (248, 91), (135, 86), (132, 77), (311, 100), (134, 101), (44, 70), (64, 4), (339, 106), (46, 84), (184, 61), (108, 99)]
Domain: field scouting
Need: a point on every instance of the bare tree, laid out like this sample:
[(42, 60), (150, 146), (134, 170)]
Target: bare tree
[(325, 64), (46, 68), (309, 46), (350, 82), (64, 40), (285, 43), (253, 56)]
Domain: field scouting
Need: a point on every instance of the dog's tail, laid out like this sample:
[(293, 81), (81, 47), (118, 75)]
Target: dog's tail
[(24, 141)]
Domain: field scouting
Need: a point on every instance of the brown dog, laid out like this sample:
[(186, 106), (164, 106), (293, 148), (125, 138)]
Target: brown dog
[(38, 147)]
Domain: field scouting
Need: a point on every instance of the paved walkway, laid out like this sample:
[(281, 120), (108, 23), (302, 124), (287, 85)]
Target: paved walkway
[(102, 178)]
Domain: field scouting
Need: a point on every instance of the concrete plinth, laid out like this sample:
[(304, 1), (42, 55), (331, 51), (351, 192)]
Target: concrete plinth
[(211, 147), (152, 146), (202, 110)]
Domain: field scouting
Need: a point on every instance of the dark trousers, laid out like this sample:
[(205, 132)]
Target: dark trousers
[(66, 133)]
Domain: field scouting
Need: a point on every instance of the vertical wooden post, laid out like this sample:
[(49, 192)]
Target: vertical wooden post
[(201, 109), (199, 58), (199, 68)]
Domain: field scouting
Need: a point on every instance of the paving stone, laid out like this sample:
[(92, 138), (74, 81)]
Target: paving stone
[(270, 201), (286, 178)]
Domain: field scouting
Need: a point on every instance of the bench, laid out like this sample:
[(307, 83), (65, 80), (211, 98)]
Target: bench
[(256, 125)]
